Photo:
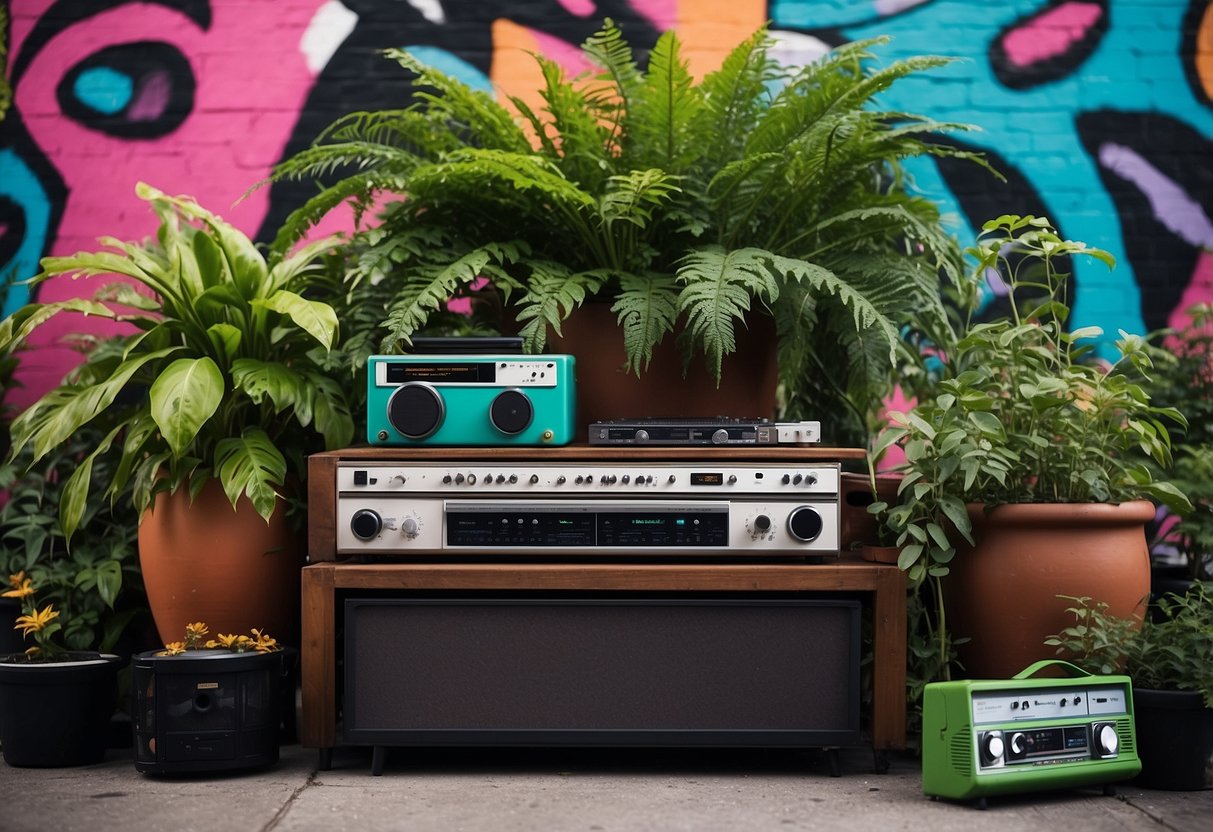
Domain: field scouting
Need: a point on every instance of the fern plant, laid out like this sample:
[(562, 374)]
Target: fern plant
[(690, 204)]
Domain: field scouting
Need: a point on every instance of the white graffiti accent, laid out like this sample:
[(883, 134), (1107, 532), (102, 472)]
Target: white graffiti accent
[(891, 7), (1180, 213), (793, 49), (326, 31), (431, 10)]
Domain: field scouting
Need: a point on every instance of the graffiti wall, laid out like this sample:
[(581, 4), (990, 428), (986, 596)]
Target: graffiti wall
[(1097, 111)]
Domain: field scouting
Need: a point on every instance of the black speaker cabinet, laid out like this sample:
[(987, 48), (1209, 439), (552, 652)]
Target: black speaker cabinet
[(206, 710), (653, 671)]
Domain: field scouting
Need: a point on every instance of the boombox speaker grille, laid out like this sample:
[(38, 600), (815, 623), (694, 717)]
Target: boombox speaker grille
[(651, 671)]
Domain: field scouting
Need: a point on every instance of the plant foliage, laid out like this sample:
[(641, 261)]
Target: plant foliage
[(1169, 651), (220, 378), (688, 203)]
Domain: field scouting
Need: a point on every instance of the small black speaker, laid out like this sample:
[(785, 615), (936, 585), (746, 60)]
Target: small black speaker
[(652, 671), (206, 710)]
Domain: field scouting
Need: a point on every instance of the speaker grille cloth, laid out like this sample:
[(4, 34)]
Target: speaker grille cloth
[(600, 666)]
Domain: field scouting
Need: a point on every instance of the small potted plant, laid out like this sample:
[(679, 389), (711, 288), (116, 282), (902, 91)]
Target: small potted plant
[(210, 405), (55, 704), (643, 207), (1169, 656), (1024, 472), (209, 704)]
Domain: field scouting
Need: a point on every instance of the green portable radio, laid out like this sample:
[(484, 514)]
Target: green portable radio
[(984, 737)]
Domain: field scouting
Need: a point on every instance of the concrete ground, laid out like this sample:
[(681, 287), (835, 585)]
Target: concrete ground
[(508, 789)]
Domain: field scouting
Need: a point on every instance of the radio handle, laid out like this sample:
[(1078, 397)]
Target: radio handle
[(1072, 670)]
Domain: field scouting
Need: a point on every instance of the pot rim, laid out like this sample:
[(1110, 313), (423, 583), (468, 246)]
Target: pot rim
[(101, 658), (1130, 512)]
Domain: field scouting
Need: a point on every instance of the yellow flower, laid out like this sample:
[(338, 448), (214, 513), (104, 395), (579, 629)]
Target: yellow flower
[(229, 642), (198, 628), (24, 589), (211, 644), (264, 643), (15, 581), (36, 621), (173, 648)]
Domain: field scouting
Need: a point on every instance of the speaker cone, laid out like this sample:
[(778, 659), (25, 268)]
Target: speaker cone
[(416, 409), (511, 412)]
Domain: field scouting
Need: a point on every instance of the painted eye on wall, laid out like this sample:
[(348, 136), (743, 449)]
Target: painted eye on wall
[(132, 90)]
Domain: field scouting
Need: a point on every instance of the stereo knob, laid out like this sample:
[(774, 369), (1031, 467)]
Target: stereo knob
[(1018, 744), (1106, 739), (366, 524), (805, 524), (416, 409), (642, 436), (720, 436), (534, 478), (762, 523), (992, 748), (410, 527), (511, 412)]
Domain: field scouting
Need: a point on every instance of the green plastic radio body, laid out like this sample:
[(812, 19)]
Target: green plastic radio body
[(989, 737)]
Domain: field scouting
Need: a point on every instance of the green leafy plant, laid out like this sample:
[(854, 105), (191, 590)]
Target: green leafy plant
[(96, 583), (1014, 410), (221, 377), (1183, 378), (43, 624), (688, 205), (1166, 651)]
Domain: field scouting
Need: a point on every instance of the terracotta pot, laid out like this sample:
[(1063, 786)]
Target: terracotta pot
[(606, 391), (205, 561), (1002, 594)]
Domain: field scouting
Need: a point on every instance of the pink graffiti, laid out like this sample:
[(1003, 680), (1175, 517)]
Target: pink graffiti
[(1199, 290), (1052, 33), (235, 132)]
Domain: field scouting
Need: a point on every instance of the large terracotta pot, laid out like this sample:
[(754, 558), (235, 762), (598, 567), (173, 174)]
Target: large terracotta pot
[(205, 561), (1002, 594), (606, 391)]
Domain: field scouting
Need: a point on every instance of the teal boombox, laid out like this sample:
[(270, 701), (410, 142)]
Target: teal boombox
[(991, 737), (463, 399)]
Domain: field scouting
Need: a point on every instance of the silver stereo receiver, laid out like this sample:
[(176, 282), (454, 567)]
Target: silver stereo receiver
[(635, 509)]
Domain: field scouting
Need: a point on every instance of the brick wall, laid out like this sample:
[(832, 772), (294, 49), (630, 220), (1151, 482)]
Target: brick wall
[(1097, 111)]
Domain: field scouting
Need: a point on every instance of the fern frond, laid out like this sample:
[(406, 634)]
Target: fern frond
[(473, 115), (552, 292), (581, 135), (718, 287), (658, 123), (359, 188), (647, 307), (323, 160), (735, 96), (829, 288), (632, 197), (428, 288)]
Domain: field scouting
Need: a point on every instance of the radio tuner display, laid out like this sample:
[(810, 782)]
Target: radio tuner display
[(581, 526), (442, 372), (705, 478)]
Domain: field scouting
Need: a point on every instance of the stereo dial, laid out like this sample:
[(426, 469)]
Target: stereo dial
[(366, 524), (410, 526), (1106, 739), (805, 524), (1018, 744), (992, 748)]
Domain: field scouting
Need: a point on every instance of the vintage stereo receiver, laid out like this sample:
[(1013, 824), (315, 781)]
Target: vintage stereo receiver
[(468, 399), (990, 737), (638, 508)]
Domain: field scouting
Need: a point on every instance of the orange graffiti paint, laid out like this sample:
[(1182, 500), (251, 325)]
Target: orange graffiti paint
[(1204, 51)]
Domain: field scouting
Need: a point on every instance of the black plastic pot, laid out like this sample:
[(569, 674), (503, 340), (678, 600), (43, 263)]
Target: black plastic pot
[(57, 713), (1174, 739), (206, 710), (10, 636)]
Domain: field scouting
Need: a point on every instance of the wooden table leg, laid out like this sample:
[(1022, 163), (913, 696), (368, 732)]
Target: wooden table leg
[(889, 670), (319, 658)]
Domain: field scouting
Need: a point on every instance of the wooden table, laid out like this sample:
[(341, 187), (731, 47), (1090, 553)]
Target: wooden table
[(322, 582)]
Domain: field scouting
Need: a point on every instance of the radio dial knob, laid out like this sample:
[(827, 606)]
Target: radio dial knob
[(410, 527), (720, 436), (534, 478), (762, 523), (642, 436), (805, 524), (992, 747), (366, 524), (1017, 744), (1106, 739)]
